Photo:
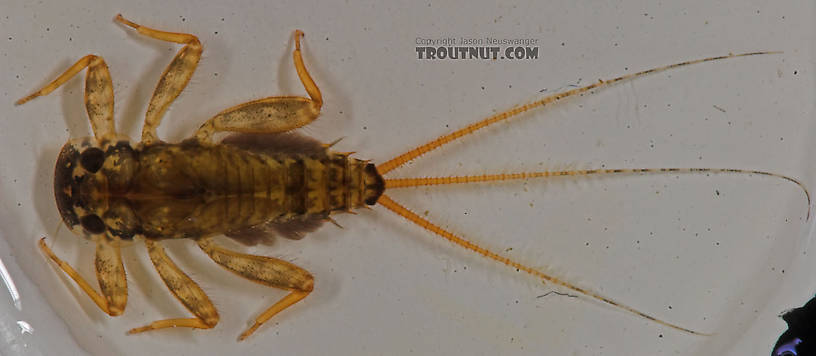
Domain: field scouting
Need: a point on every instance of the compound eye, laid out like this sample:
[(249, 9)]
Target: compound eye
[(92, 159), (92, 224)]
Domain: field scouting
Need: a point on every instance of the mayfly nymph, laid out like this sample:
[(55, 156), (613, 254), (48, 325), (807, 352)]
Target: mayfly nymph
[(261, 181)]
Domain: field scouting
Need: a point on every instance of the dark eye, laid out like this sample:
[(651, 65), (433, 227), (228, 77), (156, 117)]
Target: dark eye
[(92, 159), (92, 224)]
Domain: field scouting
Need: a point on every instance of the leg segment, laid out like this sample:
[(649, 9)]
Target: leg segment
[(268, 271), (303, 74), (109, 272), (272, 114), (185, 289), (98, 94), (173, 80)]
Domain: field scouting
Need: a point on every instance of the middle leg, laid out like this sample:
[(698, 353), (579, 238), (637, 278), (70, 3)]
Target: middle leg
[(173, 80), (185, 289)]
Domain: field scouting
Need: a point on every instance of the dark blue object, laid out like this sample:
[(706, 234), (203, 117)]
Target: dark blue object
[(800, 338)]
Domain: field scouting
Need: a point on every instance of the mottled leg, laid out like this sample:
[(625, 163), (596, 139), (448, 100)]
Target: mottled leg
[(272, 114), (268, 271), (109, 272), (98, 94), (173, 80), (185, 289)]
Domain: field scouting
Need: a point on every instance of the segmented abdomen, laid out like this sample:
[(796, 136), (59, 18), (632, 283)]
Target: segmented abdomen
[(190, 190)]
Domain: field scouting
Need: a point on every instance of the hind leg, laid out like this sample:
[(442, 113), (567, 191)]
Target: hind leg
[(272, 114), (268, 271)]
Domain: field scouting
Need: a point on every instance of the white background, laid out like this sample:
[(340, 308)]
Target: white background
[(722, 254)]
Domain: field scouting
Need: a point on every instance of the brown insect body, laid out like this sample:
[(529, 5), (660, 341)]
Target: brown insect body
[(262, 180), (189, 190)]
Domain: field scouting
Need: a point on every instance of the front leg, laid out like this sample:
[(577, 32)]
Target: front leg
[(109, 272), (173, 80), (269, 115), (98, 95)]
